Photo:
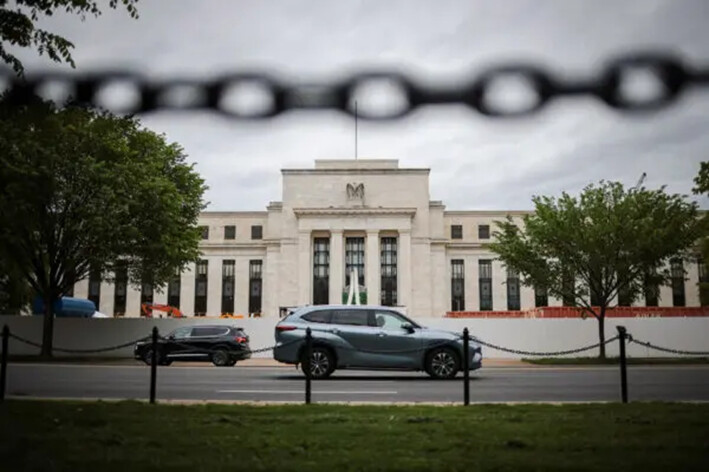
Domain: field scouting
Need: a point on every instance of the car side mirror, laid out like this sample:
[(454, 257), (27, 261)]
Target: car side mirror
[(408, 327)]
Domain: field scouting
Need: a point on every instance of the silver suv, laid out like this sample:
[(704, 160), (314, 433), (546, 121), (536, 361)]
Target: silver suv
[(369, 337)]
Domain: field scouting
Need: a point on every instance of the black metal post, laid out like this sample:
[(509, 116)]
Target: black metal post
[(154, 365), (306, 363), (623, 366), (466, 367), (3, 368)]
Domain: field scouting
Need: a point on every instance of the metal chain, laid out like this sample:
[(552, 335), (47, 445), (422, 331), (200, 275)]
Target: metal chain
[(550, 354), (80, 351), (226, 94), (667, 349)]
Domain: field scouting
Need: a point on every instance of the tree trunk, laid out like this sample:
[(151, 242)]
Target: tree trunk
[(602, 333), (48, 332)]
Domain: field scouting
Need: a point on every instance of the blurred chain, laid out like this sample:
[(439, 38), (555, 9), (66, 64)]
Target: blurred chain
[(667, 349), (80, 351), (544, 354), (228, 93)]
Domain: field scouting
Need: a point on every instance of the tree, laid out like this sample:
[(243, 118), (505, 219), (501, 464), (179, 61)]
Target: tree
[(701, 187), (588, 248), (81, 190), (18, 26)]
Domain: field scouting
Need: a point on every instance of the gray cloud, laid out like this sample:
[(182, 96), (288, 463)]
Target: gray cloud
[(476, 163)]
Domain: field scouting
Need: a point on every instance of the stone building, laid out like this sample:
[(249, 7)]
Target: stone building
[(371, 215)]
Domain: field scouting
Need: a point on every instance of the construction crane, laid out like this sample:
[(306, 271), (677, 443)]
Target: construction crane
[(146, 310)]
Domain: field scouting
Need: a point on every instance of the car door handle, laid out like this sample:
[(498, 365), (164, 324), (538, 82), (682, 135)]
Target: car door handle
[(335, 331), (382, 334)]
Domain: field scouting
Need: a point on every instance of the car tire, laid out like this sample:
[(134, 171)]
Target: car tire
[(148, 357), (322, 363), (220, 358), (442, 363)]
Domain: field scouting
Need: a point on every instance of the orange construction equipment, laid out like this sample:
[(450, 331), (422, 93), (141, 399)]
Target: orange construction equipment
[(147, 310)]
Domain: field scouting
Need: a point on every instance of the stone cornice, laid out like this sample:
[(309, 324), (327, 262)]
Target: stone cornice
[(354, 211)]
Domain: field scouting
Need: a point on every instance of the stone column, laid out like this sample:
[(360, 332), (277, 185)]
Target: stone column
[(372, 268), (187, 290), (214, 286), (337, 261), (305, 269), (404, 269), (472, 283), (270, 294), (132, 300)]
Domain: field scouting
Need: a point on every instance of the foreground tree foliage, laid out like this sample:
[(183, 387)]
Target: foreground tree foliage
[(83, 190), (18, 28), (608, 242), (701, 187)]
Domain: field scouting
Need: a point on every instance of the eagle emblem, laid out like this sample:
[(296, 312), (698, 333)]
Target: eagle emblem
[(355, 191)]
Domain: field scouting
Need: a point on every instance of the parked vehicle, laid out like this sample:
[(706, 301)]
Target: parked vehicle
[(369, 337), (223, 345)]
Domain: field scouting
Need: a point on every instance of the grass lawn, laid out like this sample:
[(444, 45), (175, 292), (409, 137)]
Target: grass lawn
[(131, 436), (616, 360)]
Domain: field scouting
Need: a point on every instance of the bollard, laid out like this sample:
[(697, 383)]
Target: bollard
[(3, 367), (623, 368), (466, 367), (306, 363), (154, 365)]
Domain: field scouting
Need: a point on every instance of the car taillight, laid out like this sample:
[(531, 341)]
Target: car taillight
[(241, 339), (285, 328)]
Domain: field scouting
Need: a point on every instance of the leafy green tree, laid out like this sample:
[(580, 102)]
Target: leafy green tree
[(82, 189), (701, 187), (587, 249), (18, 20)]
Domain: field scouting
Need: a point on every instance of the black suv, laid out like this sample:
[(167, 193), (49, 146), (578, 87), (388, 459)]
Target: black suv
[(223, 345)]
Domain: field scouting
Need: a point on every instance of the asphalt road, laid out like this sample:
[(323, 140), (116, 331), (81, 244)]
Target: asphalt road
[(282, 384)]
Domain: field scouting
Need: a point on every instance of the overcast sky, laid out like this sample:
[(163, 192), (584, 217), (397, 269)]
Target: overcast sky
[(475, 162)]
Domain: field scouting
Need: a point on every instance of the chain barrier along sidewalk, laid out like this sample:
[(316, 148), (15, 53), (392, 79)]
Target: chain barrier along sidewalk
[(155, 338)]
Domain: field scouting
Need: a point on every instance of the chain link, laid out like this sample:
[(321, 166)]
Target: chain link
[(80, 351), (543, 354), (227, 94), (667, 349)]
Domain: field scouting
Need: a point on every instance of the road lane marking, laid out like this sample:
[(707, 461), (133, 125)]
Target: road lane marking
[(320, 392)]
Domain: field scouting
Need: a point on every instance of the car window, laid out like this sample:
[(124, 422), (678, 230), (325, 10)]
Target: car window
[(350, 317), (389, 320), (211, 331), (320, 316), (181, 333)]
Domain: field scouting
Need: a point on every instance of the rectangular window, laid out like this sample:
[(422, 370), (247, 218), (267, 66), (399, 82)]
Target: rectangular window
[(257, 232), (173, 289), (568, 288), (457, 285), (677, 273), (513, 297), (230, 232), (70, 276), (228, 285), (485, 282), (388, 267), (595, 299), (456, 232), (483, 231), (146, 294), (702, 271), (652, 292), (354, 259), (624, 296), (321, 271), (541, 297), (121, 289), (95, 287), (255, 285), (205, 232), (200, 288)]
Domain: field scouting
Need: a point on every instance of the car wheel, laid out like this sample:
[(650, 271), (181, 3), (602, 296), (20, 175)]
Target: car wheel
[(232, 363), (442, 363), (322, 363), (148, 357), (220, 358)]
